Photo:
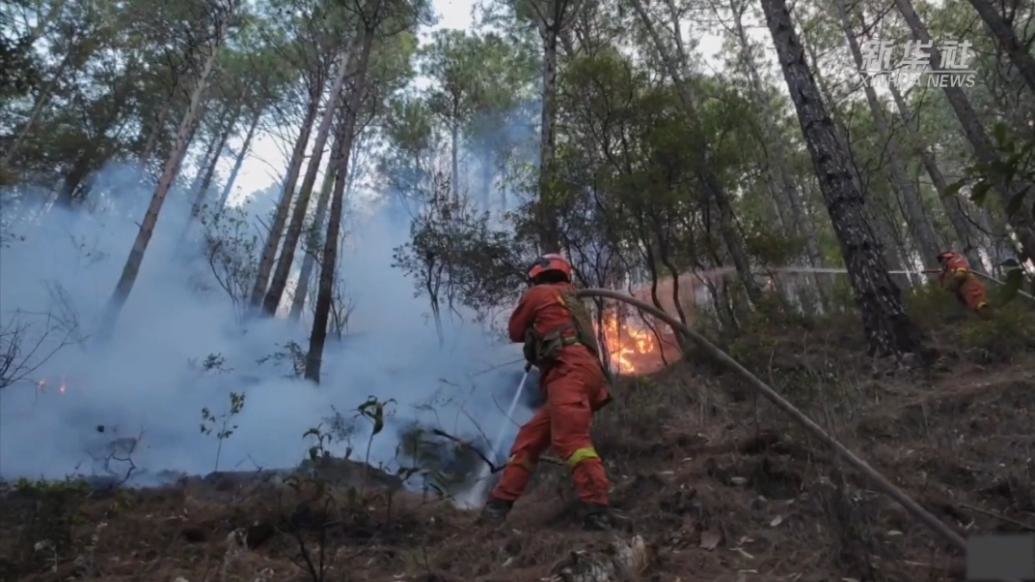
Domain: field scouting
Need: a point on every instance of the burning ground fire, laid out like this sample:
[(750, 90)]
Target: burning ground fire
[(633, 347)]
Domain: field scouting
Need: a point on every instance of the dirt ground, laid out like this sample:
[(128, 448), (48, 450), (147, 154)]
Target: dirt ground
[(717, 485)]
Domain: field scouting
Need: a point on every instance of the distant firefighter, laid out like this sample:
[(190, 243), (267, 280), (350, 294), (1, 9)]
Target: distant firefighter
[(957, 278)]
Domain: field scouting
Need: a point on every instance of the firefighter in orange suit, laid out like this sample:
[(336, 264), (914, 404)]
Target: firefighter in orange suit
[(559, 340), (957, 278)]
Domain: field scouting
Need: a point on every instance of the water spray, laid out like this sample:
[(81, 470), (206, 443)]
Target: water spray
[(477, 493)]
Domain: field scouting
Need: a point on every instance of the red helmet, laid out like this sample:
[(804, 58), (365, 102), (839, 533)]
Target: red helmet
[(550, 262), (947, 256)]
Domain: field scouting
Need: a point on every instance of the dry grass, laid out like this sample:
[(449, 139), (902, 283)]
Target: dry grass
[(717, 484)]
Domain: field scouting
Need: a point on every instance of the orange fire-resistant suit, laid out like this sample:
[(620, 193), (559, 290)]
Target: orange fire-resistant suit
[(574, 386), (957, 278)]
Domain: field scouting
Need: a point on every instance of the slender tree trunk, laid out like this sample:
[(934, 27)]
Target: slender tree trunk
[(1004, 34), (210, 150), (917, 220), (454, 131), (328, 265), (172, 167), (488, 175), (240, 160), (892, 248), (887, 327), (1022, 222), (37, 109), (313, 240), (159, 126), (201, 192), (778, 165), (294, 230), (952, 206), (709, 181), (269, 249), (549, 241)]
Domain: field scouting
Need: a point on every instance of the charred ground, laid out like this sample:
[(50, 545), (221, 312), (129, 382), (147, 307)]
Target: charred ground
[(717, 485)]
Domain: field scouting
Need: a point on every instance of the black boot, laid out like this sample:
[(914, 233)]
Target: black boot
[(596, 517), (495, 511)]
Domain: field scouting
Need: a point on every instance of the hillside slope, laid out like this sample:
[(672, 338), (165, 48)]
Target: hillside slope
[(716, 484)]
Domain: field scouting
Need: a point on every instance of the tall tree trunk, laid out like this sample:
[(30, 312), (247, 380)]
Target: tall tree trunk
[(892, 247), (709, 181), (269, 249), (454, 131), (1004, 34), (313, 240), (172, 167), (952, 204), (919, 223), (240, 160), (210, 150), (37, 109), (488, 176), (340, 159), (294, 230), (778, 165), (201, 191), (1021, 221), (549, 240), (159, 125), (887, 327)]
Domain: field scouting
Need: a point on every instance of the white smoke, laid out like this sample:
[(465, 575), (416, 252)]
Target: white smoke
[(149, 380)]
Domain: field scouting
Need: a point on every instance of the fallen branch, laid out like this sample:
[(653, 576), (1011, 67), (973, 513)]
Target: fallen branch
[(492, 466), (801, 418), (1000, 517)]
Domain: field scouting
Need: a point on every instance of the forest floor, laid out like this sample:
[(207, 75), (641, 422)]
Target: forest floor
[(717, 484)]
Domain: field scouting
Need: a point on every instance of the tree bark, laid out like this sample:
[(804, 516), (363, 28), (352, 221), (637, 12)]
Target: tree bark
[(312, 244), (778, 166), (37, 108), (549, 240), (210, 150), (1004, 34), (340, 160), (454, 145), (240, 160), (883, 226), (201, 191), (1022, 222), (919, 223), (269, 249), (172, 167), (294, 230), (709, 181), (887, 327), (952, 205)]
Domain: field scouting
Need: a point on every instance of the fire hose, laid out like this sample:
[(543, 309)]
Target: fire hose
[(879, 480), (987, 277)]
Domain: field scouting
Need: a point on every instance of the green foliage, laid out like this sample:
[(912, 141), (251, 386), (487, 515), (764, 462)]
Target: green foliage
[(221, 423), (292, 352), (456, 258), (1013, 166), (1007, 335)]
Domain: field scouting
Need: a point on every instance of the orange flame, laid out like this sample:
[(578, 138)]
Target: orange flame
[(631, 345)]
